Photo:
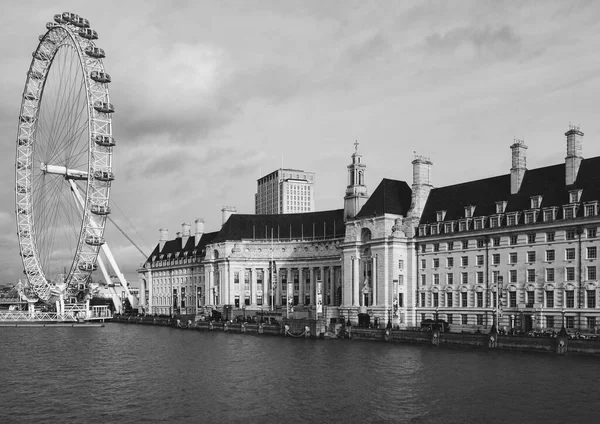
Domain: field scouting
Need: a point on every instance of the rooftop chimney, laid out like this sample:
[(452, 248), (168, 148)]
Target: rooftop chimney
[(185, 234), (421, 185), (226, 212), (519, 165), (199, 224), (574, 154), (164, 236)]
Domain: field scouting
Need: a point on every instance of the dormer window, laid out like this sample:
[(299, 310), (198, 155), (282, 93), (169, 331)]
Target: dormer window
[(153, 258), (549, 214), (422, 230), (463, 224), (512, 218), (530, 217), (161, 257), (441, 215), (168, 256), (480, 223), (500, 206), (569, 212), (449, 227), (590, 209), (176, 254), (536, 202), (469, 210), (495, 221), (433, 229), (575, 196)]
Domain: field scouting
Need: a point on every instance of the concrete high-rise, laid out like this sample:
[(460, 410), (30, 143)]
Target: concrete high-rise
[(285, 191)]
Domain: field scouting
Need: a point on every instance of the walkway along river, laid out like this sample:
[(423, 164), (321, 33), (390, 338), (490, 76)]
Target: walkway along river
[(560, 344)]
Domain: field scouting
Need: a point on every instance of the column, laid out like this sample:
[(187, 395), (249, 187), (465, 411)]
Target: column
[(253, 286), (278, 289), (355, 282), (331, 287), (311, 276), (374, 274), (301, 285)]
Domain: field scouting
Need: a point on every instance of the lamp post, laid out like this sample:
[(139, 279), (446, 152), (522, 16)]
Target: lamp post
[(389, 323), (244, 310), (563, 317)]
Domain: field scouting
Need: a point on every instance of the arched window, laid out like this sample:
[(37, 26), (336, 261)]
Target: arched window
[(365, 235)]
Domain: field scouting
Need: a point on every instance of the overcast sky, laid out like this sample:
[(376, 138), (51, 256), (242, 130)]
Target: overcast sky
[(211, 95)]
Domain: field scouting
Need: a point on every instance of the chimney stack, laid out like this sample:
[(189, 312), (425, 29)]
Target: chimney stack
[(185, 234), (574, 154), (421, 185), (199, 230), (164, 236), (226, 212), (519, 165)]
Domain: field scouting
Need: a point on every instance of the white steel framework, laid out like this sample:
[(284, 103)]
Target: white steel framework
[(64, 138)]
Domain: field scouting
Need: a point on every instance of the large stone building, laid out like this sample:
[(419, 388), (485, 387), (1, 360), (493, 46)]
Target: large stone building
[(285, 191), (405, 253)]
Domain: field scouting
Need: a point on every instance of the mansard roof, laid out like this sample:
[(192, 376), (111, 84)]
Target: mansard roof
[(390, 196), (309, 225), (175, 246), (548, 182)]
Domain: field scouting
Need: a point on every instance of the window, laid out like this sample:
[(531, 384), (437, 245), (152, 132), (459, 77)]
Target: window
[(479, 277), (464, 261), (591, 323), (495, 275), (550, 274), (591, 298), (550, 322), (512, 274), (440, 215), (480, 260), (550, 236), (436, 247), (478, 224), (448, 227), (464, 278), (591, 232), (450, 245), (512, 299), (574, 196), (433, 230), (570, 296), (512, 258), (531, 275), (592, 252), (480, 243), (423, 279), (514, 240), (479, 297), (401, 300), (590, 210), (449, 299), (570, 234), (549, 298), (531, 256), (423, 248), (450, 278), (423, 263), (496, 258), (570, 253), (568, 212), (591, 273), (570, 273), (435, 299), (463, 299), (570, 322), (550, 255), (530, 298), (464, 319), (548, 215), (500, 207), (530, 217), (479, 319), (511, 220), (496, 241), (465, 244), (436, 262), (494, 222), (449, 318), (462, 226), (450, 262), (436, 278), (423, 300), (400, 264), (469, 211), (536, 201), (530, 238)]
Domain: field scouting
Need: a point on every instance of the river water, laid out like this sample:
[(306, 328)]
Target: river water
[(139, 374)]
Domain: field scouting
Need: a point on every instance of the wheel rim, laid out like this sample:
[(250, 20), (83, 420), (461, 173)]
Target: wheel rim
[(64, 159)]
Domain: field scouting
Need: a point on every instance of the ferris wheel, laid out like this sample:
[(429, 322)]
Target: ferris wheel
[(64, 158)]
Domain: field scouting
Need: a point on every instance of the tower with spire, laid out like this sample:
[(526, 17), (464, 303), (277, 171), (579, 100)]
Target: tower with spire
[(356, 190)]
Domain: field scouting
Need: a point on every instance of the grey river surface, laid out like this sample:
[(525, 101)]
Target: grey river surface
[(134, 373)]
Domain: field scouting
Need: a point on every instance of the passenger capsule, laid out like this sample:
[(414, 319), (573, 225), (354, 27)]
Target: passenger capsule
[(94, 240), (95, 52), (101, 77), (22, 211), (24, 141), (24, 233), (27, 119), (30, 96), (59, 19), (51, 25), (21, 189), (81, 22), (104, 175), (23, 165), (69, 17), (88, 33), (104, 107), (88, 266), (100, 209), (103, 140)]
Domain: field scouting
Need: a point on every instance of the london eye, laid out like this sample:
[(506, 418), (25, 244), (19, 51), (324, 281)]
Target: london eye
[(64, 151)]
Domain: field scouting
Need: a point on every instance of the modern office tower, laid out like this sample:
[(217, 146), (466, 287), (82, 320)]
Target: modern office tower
[(285, 191)]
